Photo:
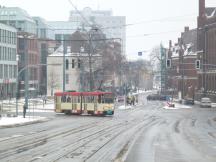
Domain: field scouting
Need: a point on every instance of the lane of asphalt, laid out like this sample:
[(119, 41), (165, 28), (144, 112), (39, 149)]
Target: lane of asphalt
[(162, 135), (43, 139), (184, 135)]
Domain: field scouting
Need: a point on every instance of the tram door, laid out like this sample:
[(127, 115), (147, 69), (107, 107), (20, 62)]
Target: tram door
[(58, 104), (76, 104), (88, 104)]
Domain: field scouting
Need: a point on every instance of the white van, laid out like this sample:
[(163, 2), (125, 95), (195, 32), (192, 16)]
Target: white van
[(205, 102)]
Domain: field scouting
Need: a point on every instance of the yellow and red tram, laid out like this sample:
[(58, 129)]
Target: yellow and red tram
[(93, 103)]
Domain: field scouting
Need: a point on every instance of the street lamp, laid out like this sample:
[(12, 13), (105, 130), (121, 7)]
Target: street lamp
[(80, 61), (17, 80), (25, 38)]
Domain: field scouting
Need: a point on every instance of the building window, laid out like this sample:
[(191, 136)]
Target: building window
[(79, 63), (73, 63), (1, 35), (15, 71), (1, 53), (10, 71), (5, 71), (67, 64), (1, 71), (67, 78)]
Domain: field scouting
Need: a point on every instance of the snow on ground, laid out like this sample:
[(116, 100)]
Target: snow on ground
[(123, 107), (177, 106), (142, 92), (5, 121)]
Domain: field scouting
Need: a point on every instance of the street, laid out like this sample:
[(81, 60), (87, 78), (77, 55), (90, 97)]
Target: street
[(144, 133)]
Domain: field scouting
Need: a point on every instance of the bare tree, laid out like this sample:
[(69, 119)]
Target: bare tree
[(95, 43), (53, 81)]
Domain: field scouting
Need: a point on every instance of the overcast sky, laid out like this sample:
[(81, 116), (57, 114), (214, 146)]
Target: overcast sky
[(162, 19)]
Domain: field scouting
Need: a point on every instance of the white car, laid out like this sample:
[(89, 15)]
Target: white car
[(205, 102)]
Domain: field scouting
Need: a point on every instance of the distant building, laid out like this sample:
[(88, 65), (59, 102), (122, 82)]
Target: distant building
[(63, 29), (8, 61), (44, 30), (18, 18), (46, 45), (111, 26), (76, 71)]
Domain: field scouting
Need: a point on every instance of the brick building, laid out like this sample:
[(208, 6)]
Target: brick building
[(27, 49), (207, 51), (182, 75)]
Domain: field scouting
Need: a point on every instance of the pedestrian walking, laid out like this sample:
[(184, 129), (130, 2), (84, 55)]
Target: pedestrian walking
[(133, 100), (45, 99), (24, 110)]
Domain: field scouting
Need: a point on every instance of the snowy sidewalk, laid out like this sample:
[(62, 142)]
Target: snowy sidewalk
[(15, 121), (123, 107), (177, 106)]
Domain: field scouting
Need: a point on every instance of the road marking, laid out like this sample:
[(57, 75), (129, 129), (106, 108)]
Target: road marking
[(4, 138), (17, 135), (13, 136)]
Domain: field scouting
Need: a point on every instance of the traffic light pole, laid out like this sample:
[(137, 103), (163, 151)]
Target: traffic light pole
[(26, 73)]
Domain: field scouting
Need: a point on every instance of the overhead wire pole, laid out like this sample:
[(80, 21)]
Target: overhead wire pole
[(64, 52), (26, 72)]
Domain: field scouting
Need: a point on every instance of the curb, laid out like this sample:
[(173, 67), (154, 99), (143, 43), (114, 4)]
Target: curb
[(26, 123)]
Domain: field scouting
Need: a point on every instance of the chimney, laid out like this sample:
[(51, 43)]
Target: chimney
[(186, 29), (201, 8), (170, 44)]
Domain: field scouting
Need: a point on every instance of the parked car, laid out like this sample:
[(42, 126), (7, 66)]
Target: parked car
[(205, 102), (157, 97), (120, 99), (189, 101)]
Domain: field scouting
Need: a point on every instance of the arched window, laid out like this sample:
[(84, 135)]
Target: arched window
[(73, 63), (67, 64), (79, 63)]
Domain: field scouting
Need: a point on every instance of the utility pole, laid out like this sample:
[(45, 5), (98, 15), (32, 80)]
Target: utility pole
[(64, 52), (26, 71), (181, 54), (90, 53), (204, 59)]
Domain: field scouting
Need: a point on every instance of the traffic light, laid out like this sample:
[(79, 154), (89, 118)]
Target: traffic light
[(168, 63), (197, 64)]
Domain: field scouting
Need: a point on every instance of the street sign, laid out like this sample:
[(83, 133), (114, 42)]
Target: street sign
[(139, 53)]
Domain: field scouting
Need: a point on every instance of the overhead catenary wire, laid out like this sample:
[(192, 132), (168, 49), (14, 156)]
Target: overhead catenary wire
[(167, 19), (104, 39)]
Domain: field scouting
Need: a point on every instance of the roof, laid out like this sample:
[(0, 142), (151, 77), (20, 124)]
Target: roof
[(81, 93), (59, 53)]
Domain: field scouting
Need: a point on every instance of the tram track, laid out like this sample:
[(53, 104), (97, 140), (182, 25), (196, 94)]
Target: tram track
[(37, 140), (98, 144), (16, 144)]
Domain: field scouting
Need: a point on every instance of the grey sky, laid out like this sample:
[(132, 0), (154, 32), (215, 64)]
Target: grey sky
[(184, 13)]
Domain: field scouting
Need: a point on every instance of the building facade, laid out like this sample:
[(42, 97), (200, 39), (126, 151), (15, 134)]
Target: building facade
[(18, 18), (111, 26), (76, 71), (207, 50), (46, 45), (182, 74), (8, 61), (27, 45)]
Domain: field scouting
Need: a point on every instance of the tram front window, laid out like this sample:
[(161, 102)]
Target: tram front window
[(108, 99)]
